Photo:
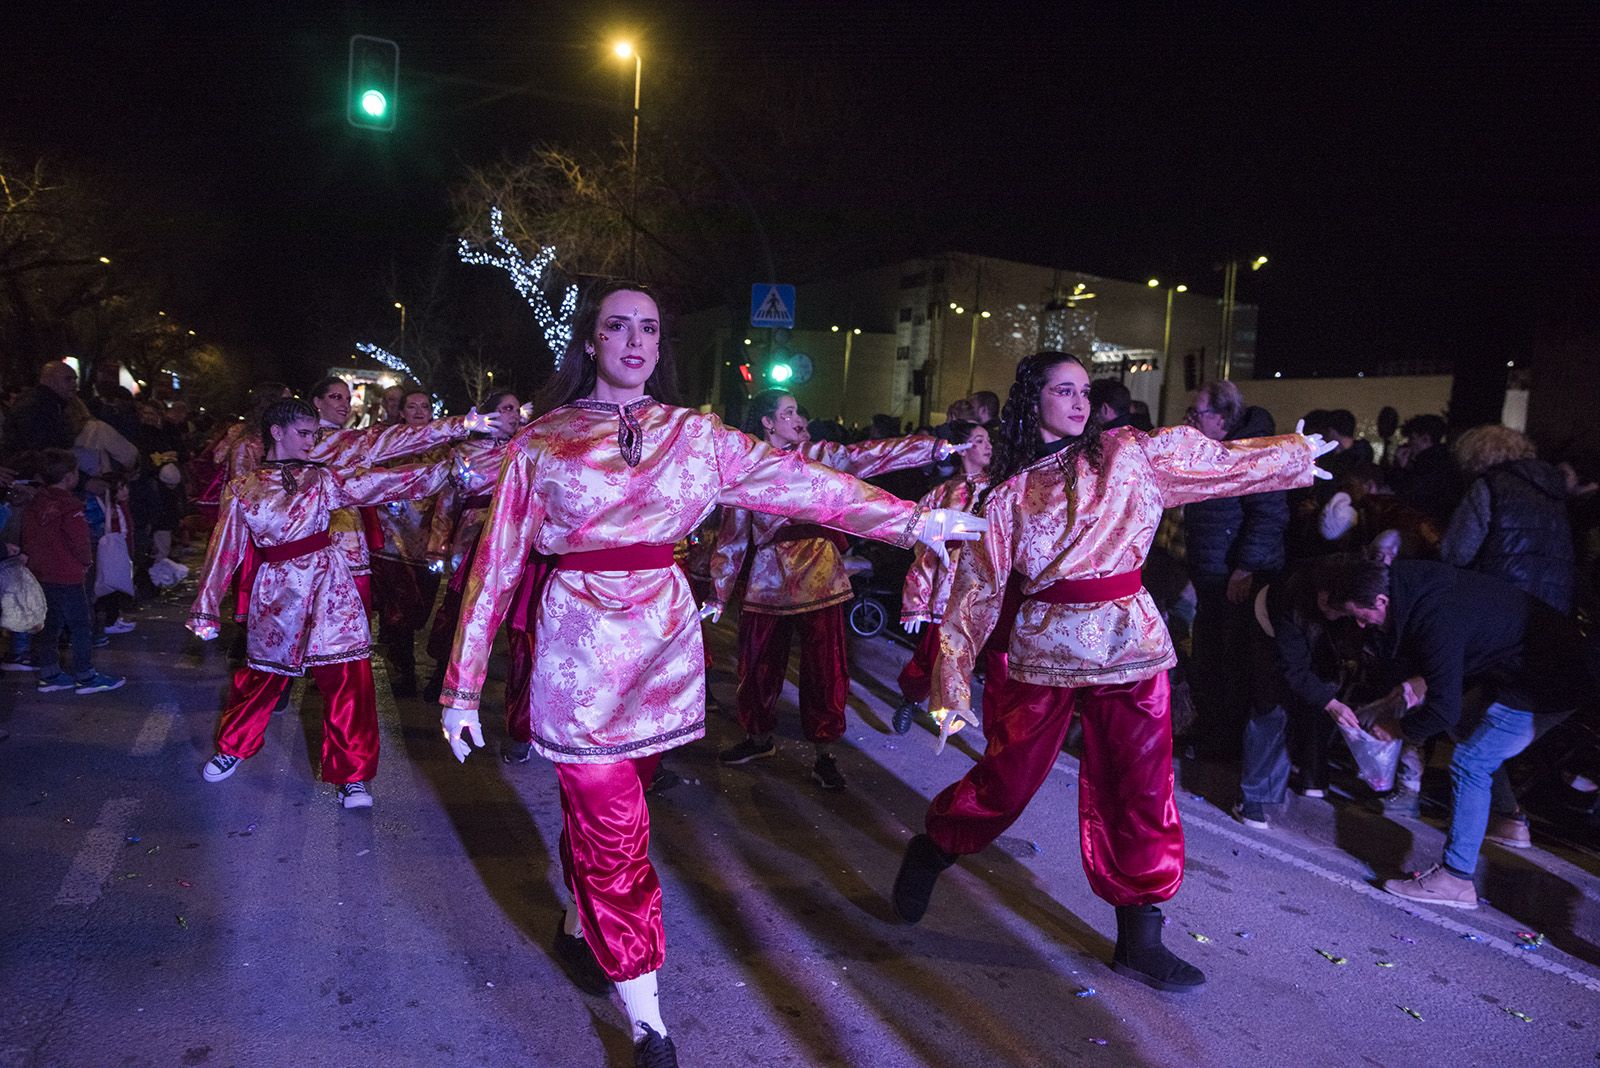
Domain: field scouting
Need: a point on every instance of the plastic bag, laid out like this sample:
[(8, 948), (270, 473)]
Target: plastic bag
[(113, 565), (22, 604), (1375, 761), (166, 573)]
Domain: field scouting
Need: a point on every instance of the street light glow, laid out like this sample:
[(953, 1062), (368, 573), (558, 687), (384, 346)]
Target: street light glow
[(105, 259), (1258, 263), (397, 304), (374, 103), (835, 329), (985, 314), (623, 49), (1153, 282), (1183, 289), (857, 330)]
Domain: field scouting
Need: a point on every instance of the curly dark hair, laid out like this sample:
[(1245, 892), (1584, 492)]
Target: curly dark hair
[(1018, 443)]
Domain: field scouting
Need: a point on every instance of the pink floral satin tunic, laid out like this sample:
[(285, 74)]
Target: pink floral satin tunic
[(346, 450), (474, 470), (305, 610), (1049, 523), (927, 585), (788, 574), (619, 668)]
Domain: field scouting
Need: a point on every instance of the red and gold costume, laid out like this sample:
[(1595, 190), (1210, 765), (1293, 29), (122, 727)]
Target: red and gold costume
[(403, 588), (606, 491), (305, 613), (798, 582), (1086, 638), (927, 590)]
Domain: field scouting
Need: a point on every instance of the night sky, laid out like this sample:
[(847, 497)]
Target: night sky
[(1411, 177)]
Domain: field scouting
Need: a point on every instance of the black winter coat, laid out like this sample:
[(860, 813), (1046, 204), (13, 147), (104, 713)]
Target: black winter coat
[(1513, 524), (1225, 533)]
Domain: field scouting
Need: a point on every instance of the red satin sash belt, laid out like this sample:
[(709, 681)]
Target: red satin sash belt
[(623, 558), (293, 550), (1090, 591)]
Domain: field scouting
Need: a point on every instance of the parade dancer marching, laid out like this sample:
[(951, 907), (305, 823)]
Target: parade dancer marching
[(305, 616), (1072, 514), (797, 584), (602, 486), (927, 584)]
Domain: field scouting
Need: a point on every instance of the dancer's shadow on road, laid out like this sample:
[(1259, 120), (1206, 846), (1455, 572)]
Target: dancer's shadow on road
[(824, 864)]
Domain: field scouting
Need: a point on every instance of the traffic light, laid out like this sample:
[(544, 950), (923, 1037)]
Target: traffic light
[(780, 373), (744, 373), (374, 83)]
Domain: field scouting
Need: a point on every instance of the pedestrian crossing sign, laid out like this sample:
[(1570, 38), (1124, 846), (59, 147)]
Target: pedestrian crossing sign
[(772, 305)]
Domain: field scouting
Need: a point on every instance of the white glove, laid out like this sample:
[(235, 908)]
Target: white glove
[(204, 629), (710, 610), (1318, 448), (1338, 517), (948, 524), (950, 721), (527, 411), (912, 624), (461, 726), (947, 450)]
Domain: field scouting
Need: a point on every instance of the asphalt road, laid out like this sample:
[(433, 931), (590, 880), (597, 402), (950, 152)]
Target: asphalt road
[(150, 918)]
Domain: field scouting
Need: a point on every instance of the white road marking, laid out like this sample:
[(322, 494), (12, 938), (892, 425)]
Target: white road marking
[(98, 854), (152, 736)]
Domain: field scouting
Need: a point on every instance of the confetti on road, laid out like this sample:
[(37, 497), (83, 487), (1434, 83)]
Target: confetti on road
[(1524, 1017), (1086, 992), (363, 853), (182, 922), (1386, 964), (1530, 939), (1413, 1013), (133, 839), (1471, 938), (1244, 934), (1331, 958), (152, 850), (185, 883), (1096, 1041), (1198, 937), (1403, 938), (130, 875)]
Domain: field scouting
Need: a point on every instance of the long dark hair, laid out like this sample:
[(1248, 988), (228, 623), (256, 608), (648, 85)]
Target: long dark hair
[(762, 405), (1019, 442), (576, 376)]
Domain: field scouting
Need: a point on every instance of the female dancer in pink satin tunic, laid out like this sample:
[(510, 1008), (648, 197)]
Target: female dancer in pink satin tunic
[(798, 584), (605, 484), (1072, 514)]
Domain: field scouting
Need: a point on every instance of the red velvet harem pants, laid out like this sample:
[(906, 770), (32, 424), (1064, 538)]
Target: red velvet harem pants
[(605, 857), (824, 672), (1127, 819), (349, 718)]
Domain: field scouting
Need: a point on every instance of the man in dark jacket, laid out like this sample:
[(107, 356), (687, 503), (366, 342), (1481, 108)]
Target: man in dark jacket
[(1457, 629), (39, 418), (1513, 524), (1427, 478), (1232, 544)]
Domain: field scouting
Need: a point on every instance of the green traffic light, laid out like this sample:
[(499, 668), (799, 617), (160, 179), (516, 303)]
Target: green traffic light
[(374, 103), (781, 372)]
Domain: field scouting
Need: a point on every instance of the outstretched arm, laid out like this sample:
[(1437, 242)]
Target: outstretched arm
[(869, 459), (1188, 466)]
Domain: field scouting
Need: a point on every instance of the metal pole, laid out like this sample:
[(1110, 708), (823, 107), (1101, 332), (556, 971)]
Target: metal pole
[(1166, 362), (844, 386), (633, 172), (972, 348)]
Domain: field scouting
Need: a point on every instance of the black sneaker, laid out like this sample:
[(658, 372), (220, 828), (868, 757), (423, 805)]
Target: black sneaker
[(905, 715), (355, 795), (748, 750), (654, 1050), (577, 960), (516, 752), (825, 773), (1251, 814)]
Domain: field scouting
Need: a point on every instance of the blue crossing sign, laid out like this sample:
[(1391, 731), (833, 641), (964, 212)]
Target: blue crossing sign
[(772, 305)]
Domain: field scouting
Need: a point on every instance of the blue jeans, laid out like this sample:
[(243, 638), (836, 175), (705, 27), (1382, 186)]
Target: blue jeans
[(66, 606), (1478, 778)]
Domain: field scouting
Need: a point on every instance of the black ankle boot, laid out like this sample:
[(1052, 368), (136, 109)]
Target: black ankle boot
[(1140, 954), (913, 886)]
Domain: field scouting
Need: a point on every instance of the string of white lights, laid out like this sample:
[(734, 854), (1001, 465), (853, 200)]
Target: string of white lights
[(385, 357), (527, 275)]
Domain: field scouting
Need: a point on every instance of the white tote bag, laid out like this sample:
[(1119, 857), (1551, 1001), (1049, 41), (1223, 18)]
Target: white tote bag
[(113, 565)]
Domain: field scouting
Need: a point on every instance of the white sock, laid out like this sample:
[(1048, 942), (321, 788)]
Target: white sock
[(572, 923), (642, 1004)]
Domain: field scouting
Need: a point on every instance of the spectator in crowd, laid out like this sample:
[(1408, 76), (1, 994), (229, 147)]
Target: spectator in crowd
[(1112, 401), (39, 418), (1363, 509), (1513, 521), (1458, 629), (1231, 543), (1139, 416), (985, 406), (55, 537), (1350, 452), (1426, 477), (393, 404)]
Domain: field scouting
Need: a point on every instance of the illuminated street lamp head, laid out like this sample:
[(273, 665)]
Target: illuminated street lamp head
[(1257, 263), (397, 304), (985, 315), (1183, 289), (835, 329), (1153, 282), (856, 331), (105, 259), (623, 49)]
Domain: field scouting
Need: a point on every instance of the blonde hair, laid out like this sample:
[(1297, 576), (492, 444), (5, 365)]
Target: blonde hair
[(1484, 447)]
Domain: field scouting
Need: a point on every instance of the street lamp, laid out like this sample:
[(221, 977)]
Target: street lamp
[(1230, 293), (402, 308), (1166, 347), (625, 50), (844, 385)]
